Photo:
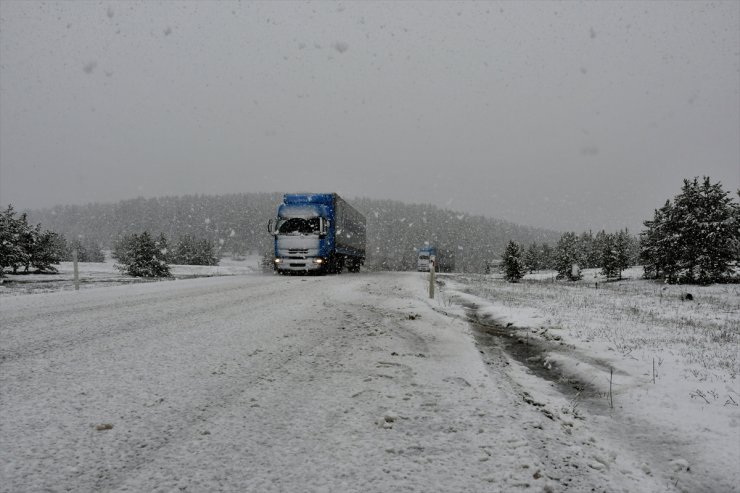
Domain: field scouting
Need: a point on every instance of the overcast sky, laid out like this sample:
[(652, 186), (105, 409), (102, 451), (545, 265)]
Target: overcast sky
[(562, 115)]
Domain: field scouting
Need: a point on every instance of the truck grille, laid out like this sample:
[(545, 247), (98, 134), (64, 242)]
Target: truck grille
[(298, 251)]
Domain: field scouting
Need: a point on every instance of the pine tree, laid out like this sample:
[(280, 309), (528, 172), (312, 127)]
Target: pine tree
[(736, 240), (513, 264), (164, 248), (123, 249), (48, 250), (622, 242), (546, 257), (588, 252), (185, 251), (26, 238), (143, 258), (694, 239), (206, 253), (658, 249), (532, 258), (633, 251), (190, 251), (706, 222), (609, 257), (568, 255), (600, 246), (23, 245), (11, 253)]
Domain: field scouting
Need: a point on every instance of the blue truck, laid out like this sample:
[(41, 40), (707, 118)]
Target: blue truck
[(443, 258), (317, 232)]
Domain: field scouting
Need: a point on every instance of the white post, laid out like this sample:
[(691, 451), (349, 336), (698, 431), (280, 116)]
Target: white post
[(431, 278), (76, 270)]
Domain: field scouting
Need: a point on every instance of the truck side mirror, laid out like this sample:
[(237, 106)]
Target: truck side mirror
[(270, 228), (323, 226)]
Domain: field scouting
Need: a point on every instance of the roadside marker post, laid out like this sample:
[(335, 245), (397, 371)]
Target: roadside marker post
[(76, 270), (431, 279)]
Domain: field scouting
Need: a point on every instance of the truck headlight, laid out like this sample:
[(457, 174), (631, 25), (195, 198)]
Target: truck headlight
[(318, 261), (277, 260)]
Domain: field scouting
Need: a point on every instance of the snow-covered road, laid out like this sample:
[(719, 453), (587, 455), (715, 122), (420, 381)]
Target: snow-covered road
[(265, 383)]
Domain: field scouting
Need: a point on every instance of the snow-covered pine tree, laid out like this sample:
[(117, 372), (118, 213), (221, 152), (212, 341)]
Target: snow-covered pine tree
[(513, 264), (11, 253), (599, 246), (656, 253), (609, 257), (736, 240), (588, 251), (23, 245), (695, 238), (634, 249), (164, 248), (123, 249), (185, 251), (48, 250), (532, 257), (706, 223), (622, 247), (190, 251), (567, 254), (25, 236), (546, 257), (145, 259), (206, 250)]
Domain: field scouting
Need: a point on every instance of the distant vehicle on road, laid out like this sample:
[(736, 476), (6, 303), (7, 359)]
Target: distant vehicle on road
[(443, 258), (317, 232)]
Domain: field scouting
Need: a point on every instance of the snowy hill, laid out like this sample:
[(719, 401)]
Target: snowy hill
[(238, 223)]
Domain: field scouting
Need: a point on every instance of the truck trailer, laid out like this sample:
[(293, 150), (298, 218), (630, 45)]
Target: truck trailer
[(317, 232)]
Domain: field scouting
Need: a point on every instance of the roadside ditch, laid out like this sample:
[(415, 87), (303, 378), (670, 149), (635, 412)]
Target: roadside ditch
[(532, 350)]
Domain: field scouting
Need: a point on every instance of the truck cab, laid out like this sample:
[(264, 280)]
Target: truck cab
[(442, 257), (425, 258)]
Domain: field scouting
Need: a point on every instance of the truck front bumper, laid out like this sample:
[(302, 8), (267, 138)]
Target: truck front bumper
[(299, 264)]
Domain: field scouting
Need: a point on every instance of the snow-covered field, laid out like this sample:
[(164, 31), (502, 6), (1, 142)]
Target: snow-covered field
[(255, 382), (672, 364), (97, 274)]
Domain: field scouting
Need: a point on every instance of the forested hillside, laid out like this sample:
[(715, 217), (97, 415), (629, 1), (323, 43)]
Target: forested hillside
[(237, 223)]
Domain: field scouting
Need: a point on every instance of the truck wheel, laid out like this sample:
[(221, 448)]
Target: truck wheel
[(334, 265)]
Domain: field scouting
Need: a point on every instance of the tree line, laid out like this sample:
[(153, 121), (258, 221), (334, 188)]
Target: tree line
[(24, 247), (694, 239), (612, 252), (237, 224)]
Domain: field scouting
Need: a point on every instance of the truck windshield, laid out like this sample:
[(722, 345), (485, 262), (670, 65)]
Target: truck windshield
[(298, 226)]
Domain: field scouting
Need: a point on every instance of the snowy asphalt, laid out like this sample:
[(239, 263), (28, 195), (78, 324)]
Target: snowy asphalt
[(265, 383)]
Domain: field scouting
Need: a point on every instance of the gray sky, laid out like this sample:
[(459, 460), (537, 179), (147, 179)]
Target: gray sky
[(562, 115)]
